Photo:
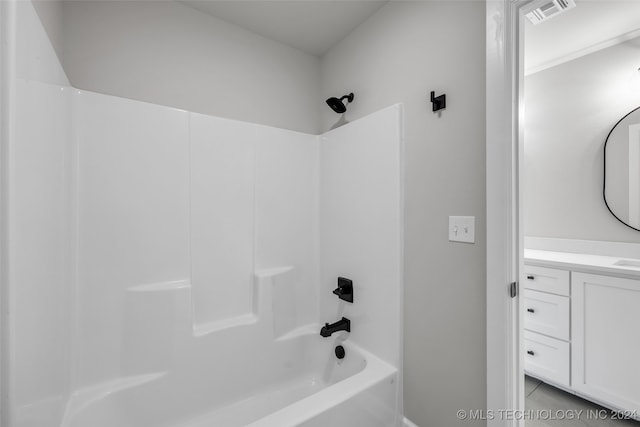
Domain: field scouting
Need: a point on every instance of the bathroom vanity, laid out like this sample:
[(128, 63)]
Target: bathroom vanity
[(582, 325)]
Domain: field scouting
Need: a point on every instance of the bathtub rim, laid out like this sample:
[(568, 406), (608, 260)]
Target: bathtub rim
[(374, 372)]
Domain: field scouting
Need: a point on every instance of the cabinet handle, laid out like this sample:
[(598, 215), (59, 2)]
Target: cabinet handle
[(530, 352), (531, 310), (530, 277)]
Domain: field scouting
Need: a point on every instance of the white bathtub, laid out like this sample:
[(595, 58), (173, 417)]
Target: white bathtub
[(296, 382), (244, 371)]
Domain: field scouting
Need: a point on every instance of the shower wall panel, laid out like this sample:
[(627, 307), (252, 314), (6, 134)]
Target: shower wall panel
[(222, 204), (287, 168), (133, 217), (361, 228), (40, 263), (172, 202), (253, 207)]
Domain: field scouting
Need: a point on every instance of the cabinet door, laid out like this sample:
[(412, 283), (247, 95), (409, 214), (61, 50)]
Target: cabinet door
[(605, 330)]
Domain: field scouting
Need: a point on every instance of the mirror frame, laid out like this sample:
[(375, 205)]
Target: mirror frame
[(604, 169)]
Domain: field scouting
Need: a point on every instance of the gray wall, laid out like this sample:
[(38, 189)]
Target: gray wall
[(569, 110), (400, 54), (169, 54), (50, 14)]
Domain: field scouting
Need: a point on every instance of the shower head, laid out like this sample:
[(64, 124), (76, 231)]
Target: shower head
[(337, 105)]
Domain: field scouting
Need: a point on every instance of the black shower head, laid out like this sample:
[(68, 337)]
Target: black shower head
[(337, 105)]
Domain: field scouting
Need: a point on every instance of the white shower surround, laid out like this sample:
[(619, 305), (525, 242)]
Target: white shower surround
[(167, 268), (202, 253)]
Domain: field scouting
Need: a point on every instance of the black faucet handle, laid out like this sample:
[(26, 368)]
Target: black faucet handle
[(344, 291)]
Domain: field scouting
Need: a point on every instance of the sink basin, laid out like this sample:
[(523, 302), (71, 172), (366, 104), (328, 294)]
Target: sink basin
[(628, 263)]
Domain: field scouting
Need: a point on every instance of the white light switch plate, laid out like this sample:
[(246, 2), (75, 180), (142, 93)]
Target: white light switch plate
[(462, 229)]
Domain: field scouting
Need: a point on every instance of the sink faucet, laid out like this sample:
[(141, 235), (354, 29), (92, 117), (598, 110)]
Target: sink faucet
[(343, 324)]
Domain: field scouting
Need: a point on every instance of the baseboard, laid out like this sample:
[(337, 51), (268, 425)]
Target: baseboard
[(408, 423)]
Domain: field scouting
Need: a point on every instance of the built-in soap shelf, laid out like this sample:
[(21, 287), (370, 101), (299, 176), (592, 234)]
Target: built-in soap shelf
[(173, 304), (173, 285)]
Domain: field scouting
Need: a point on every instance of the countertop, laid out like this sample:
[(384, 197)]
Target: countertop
[(586, 263)]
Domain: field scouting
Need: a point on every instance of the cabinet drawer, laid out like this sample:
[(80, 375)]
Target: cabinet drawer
[(546, 313), (545, 279), (547, 358)]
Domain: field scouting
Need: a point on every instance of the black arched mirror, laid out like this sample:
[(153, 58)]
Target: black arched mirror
[(621, 189)]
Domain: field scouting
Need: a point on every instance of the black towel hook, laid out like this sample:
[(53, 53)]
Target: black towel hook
[(439, 103)]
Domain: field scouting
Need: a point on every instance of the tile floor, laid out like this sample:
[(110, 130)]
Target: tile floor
[(544, 399)]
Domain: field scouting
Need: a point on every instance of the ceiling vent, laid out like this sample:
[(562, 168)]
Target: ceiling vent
[(549, 9)]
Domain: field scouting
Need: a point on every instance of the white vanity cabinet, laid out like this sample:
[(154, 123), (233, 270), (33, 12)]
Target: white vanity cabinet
[(605, 318), (582, 330)]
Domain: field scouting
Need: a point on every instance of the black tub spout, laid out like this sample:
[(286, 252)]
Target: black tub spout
[(343, 324)]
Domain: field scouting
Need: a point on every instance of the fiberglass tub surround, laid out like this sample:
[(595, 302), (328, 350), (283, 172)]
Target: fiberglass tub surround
[(172, 269), (186, 265), (206, 252)]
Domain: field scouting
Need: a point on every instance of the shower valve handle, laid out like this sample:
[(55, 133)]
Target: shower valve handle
[(344, 291)]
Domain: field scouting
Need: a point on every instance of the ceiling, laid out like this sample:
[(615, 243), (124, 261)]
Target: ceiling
[(579, 31), (313, 26)]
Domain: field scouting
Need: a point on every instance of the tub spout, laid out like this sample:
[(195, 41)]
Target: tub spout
[(343, 324)]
